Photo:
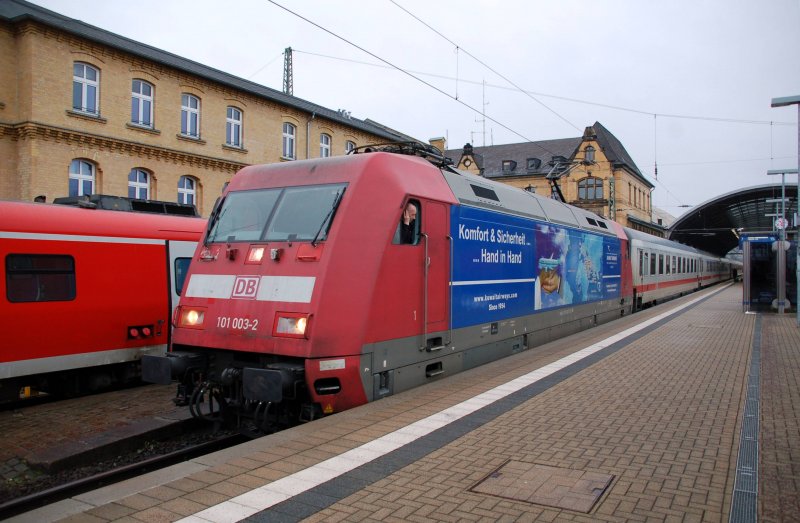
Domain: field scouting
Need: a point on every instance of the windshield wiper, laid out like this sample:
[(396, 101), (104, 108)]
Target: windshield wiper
[(212, 220), (328, 216)]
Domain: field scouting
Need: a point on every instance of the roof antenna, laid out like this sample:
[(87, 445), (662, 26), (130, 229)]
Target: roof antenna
[(456, 51)]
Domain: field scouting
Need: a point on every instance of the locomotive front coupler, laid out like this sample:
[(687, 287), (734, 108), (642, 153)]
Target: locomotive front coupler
[(272, 384)]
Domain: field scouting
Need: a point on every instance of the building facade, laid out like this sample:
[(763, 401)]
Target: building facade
[(86, 111), (593, 171)]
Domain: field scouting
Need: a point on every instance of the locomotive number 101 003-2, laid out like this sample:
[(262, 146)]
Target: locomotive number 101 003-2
[(245, 324)]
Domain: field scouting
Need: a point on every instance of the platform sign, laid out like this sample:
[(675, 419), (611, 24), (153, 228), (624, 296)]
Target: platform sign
[(506, 266)]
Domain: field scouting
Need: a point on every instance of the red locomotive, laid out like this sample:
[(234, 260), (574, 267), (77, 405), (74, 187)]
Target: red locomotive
[(315, 291), (85, 293)]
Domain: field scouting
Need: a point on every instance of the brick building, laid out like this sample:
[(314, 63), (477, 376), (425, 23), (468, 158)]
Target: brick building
[(83, 110), (593, 171)]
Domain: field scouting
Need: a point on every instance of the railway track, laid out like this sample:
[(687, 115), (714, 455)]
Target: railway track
[(153, 455)]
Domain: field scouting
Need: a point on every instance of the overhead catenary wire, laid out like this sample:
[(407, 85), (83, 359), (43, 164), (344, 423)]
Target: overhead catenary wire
[(487, 66), (564, 98), (517, 88), (642, 112), (404, 71), (266, 65)]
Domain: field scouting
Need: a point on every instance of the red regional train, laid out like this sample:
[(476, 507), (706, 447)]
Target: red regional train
[(310, 294), (85, 293)]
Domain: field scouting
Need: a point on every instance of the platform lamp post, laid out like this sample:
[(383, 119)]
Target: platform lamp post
[(782, 102), (781, 224)]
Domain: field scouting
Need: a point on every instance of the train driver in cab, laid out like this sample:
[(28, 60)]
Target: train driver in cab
[(407, 230)]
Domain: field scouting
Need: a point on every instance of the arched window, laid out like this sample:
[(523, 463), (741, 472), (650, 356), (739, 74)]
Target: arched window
[(288, 140), (190, 116), (233, 127), (81, 178), (590, 189), (139, 184), (187, 190), (142, 103), (85, 88), (324, 145), (349, 146), (589, 155)]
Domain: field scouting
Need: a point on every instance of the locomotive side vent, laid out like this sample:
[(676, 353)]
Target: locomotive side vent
[(327, 386), (434, 369)]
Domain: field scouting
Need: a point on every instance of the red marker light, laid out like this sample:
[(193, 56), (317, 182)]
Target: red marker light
[(146, 332), (133, 332)]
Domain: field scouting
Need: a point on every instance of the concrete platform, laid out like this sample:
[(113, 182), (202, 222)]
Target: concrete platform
[(641, 419)]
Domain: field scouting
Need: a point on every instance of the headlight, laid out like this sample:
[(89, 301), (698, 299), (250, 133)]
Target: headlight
[(190, 317), (291, 325), (255, 254)]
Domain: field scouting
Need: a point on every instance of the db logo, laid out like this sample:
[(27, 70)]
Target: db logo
[(245, 287)]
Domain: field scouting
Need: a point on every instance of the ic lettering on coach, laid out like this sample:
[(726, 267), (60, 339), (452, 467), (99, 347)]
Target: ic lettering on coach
[(245, 287)]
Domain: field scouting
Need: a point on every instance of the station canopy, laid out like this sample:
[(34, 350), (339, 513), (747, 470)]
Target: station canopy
[(715, 226)]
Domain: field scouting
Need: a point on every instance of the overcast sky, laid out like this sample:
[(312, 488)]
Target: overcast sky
[(686, 84)]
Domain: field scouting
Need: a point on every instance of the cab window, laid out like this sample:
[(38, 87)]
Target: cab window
[(407, 232), (303, 213)]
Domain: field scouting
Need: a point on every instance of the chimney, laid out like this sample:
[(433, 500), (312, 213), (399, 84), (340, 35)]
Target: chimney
[(440, 143)]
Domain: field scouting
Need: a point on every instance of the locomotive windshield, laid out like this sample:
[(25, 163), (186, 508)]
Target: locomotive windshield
[(286, 214)]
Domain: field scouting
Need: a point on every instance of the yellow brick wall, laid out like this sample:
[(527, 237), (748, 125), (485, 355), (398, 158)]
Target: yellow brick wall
[(40, 134)]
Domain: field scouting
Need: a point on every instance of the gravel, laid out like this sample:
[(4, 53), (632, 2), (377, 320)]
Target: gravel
[(29, 480)]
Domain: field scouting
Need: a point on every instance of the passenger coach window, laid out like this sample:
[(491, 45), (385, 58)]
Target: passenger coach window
[(39, 277), (408, 229)]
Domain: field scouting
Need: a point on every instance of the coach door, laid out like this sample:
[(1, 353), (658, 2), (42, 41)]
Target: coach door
[(435, 235), (180, 254)]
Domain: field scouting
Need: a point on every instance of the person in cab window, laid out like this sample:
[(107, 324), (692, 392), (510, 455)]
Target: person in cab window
[(408, 224)]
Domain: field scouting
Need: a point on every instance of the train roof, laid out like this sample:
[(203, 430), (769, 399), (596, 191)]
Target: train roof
[(44, 218), (480, 192), (633, 234)]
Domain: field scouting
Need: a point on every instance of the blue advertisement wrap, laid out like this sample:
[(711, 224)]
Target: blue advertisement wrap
[(506, 266)]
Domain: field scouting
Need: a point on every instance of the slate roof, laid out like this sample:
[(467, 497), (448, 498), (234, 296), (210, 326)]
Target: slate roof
[(16, 11), (615, 151), (490, 158)]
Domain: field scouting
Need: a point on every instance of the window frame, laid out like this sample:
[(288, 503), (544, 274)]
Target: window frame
[(86, 85), (349, 145), (588, 154), (588, 188), (234, 126), (138, 185), (80, 177), (187, 114), (397, 238), (325, 145), (68, 285), (289, 141), (184, 193), (138, 102)]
